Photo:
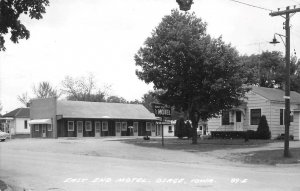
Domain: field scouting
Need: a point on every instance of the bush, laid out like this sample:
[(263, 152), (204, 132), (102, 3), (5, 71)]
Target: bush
[(263, 131), (183, 129), (228, 134), (179, 128), (281, 137), (251, 134)]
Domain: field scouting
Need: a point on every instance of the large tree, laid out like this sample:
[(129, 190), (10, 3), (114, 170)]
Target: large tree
[(198, 74), (10, 12)]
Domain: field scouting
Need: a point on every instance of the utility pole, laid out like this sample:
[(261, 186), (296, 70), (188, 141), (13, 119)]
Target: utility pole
[(286, 14)]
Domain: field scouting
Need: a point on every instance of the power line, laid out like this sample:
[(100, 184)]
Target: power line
[(251, 5)]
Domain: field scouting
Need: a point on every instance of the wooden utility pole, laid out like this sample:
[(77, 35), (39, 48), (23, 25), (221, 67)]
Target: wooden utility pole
[(286, 14)]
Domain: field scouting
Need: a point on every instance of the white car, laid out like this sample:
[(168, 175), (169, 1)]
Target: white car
[(3, 135)]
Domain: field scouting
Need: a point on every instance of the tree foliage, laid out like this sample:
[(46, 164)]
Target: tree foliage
[(42, 90), (1, 107), (268, 70), (24, 99), (45, 90), (198, 74), (82, 89), (116, 99), (10, 12)]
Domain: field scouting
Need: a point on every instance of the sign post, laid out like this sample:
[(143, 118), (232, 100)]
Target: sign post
[(162, 111)]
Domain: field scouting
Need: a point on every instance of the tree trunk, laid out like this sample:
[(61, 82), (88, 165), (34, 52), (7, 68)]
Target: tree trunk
[(195, 118), (194, 138)]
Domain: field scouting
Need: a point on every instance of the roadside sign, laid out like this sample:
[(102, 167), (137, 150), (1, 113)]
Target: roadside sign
[(161, 110)]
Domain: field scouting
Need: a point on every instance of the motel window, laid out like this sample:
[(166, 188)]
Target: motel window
[(70, 125), (135, 127), (148, 126), (225, 117), (170, 129), (104, 126), (88, 126), (124, 126), (25, 124), (49, 127), (118, 127), (36, 127), (282, 116), (255, 115)]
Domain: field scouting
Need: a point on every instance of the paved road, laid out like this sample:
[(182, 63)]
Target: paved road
[(51, 165)]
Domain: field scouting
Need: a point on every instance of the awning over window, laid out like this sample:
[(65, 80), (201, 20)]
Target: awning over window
[(40, 121)]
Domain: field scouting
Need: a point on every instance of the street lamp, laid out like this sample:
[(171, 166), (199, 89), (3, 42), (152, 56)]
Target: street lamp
[(275, 41), (185, 5), (287, 85)]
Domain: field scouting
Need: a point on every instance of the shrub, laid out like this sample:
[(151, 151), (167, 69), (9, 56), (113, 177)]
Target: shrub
[(179, 128), (228, 134), (263, 131), (251, 134)]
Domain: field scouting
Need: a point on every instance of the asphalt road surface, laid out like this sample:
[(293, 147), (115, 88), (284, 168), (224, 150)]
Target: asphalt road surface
[(98, 164)]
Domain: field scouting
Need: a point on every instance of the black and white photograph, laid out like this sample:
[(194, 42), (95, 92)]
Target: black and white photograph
[(145, 95)]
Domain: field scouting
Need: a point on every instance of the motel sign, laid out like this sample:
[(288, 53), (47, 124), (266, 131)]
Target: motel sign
[(161, 110)]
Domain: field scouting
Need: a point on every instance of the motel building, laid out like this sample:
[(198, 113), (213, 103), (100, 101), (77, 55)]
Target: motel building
[(52, 118)]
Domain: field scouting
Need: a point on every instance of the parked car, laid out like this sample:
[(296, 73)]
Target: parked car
[(3, 135)]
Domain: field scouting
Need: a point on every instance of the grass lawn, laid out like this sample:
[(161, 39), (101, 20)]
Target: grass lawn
[(236, 149), (202, 146), (271, 157)]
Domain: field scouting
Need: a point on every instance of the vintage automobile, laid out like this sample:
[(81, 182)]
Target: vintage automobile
[(3, 135)]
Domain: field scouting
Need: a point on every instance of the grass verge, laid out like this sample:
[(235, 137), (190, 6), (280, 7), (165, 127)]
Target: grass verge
[(271, 157)]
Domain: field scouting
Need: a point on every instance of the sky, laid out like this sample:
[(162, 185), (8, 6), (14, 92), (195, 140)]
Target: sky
[(99, 37)]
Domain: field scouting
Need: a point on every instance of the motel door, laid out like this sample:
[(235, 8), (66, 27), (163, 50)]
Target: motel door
[(238, 121), (118, 129), (135, 129), (43, 130), (153, 130), (79, 129), (97, 129)]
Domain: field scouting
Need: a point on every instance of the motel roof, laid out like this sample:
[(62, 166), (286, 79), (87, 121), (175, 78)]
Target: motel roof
[(103, 110), (274, 94)]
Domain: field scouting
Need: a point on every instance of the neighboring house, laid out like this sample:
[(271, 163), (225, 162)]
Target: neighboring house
[(260, 101), (168, 127), (16, 121), (54, 118)]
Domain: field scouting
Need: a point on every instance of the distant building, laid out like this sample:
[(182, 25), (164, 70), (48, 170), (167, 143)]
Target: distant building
[(16, 121), (168, 127), (57, 118), (260, 101)]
